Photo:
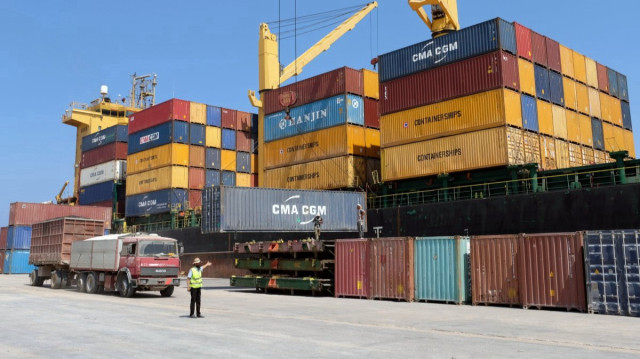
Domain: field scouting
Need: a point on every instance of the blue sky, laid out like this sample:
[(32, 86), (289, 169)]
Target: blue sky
[(55, 52)]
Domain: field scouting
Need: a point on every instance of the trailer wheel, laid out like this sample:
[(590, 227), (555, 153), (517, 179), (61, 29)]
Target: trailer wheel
[(92, 283), (81, 280), (34, 279), (56, 279), (167, 292), (124, 287)]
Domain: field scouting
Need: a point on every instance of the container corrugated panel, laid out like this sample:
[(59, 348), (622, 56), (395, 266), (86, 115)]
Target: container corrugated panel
[(198, 113), (529, 113), (547, 154), (587, 156), (243, 121), (610, 140), (331, 173), (17, 262), (594, 103), (559, 122), (566, 59), (465, 114), (158, 179), (329, 84), (619, 134), (214, 116), (579, 67), (195, 199), (531, 147), (605, 106), (243, 162), (465, 43), (352, 268), (603, 79), (592, 72), (173, 109), (573, 126), (170, 132), (629, 143), (600, 157), (623, 89), (228, 118), (254, 180), (392, 272), (254, 163), (228, 139), (212, 158), (106, 153), (337, 110), (494, 270), (538, 48), (228, 160), (109, 171), (212, 178), (167, 155), (22, 213), (2, 251), (494, 147), (582, 96), (616, 110), (196, 134), (562, 154), (100, 192), (523, 41), (243, 141), (196, 178), (553, 55), (482, 73), (542, 82), (527, 77), (597, 133), (612, 76), (196, 156), (118, 133), (3, 238), (442, 269), (372, 140), (213, 137), (545, 117), (370, 83), (612, 268), (371, 113), (626, 115), (228, 178), (556, 91), (156, 202), (51, 240), (569, 90), (243, 179), (19, 237)]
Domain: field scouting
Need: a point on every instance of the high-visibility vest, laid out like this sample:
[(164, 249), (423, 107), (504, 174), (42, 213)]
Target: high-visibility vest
[(196, 278)]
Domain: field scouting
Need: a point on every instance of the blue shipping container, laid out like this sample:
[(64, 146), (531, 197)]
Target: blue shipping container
[(254, 123), (100, 192), (598, 134), (542, 82), (168, 132), (613, 83), (626, 115), (156, 202), (108, 135), (196, 134), (612, 267), (228, 139), (17, 262), (212, 178), (212, 158), (243, 162), (333, 111), (529, 113), (556, 89), (214, 116), (228, 178), (19, 237), (623, 90), (441, 269), (472, 41)]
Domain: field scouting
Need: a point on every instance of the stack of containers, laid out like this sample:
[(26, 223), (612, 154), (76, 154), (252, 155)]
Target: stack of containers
[(331, 139), (103, 169), (3, 246)]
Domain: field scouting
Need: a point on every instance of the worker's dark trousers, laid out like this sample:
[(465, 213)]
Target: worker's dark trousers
[(195, 300)]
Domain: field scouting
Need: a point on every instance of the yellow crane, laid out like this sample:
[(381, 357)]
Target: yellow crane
[(444, 15), (270, 76)]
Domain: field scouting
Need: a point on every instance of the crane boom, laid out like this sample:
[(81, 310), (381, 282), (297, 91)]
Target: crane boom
[(444, 15)]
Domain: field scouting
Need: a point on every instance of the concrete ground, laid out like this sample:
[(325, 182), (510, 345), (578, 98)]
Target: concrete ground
[(46, 323)]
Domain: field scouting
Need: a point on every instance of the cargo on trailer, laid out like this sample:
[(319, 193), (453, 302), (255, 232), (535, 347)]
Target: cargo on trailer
[(26, 214), (170, 110)]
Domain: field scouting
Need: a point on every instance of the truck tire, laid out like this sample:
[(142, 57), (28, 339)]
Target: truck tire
[(56, 279), (124, 287), (92, 283), (81, 281), (35, 280), (167, 292)]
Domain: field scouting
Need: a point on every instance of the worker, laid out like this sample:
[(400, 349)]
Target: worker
[(362, 218), (194, 285), (317, 222)]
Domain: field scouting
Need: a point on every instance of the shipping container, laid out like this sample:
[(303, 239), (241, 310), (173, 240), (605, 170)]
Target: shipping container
[(243, 179), (243, 163), (556, 90), (196, 178), (569, 90), (629, 143), (243, 121), (352, 268), (228, 139), (469, 42), (442, 269), (597, 133), (612, 76), (601, 157), (170, 132), (163, 201), (171, 110), (3, 238), (118, 133), (562, 154), (610, 141), (559, 122), (612, 267), (623, 89), (545, 117), (582, 96), (594, 103), (2, 251), (331, 173), (531, 147), (529, 113), (167, 155), (553, 55), (603, 79), (592, 72), (566, 60), (212, 178), (196, 134), (470, 113), (213, 137), (198, 113), (17, 262), (539, 48), (579, 67), (214, 116), (26, 214), (228, 118), (501, 146), (372, 140), (228, 160), (254, 164), (337, 110), (19, 237), (371, 113), (109, 171), (573, 126), (329, 84), (158, 179), (428, 87), (494, 270), (527, 77), (212, 158), (196, 156), (616, 110), (523, 41), (243, 141), (106, 153), (228, 178), (542, 82), (51, 240), (587, 156), (195, 199), (392, 272), (605, 106), (371, 83), (254, 180), (101, 192), (547, 154)]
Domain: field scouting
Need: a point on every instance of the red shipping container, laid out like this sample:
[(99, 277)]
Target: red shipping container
[(539, 48), (243, 141), (332, 83), (371, 113), (243, 121), (196, 156), (51, 240), (552, 271), (603, 79), (173, 109), (195, 199), (553, 55), (523, 41), (196, 178), (110, 152), (26, 214), (4, 232), (352, 268), (481, 73), (392, 268), (228, 118), (254, 180), (494, 270)]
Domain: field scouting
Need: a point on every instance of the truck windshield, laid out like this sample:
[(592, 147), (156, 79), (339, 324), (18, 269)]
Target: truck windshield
[(157, 249)]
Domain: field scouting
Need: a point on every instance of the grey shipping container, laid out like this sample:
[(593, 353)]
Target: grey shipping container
[(626, 115), (228, 178), (250, 209)]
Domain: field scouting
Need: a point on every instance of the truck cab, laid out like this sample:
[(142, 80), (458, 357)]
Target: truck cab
[(151, 261)]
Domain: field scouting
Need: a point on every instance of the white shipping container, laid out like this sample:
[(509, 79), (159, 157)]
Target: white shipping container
[(108, 171)]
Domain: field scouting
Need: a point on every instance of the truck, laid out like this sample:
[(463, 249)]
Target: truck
[(67, 251)]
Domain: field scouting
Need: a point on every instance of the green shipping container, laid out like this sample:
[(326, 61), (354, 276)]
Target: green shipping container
[(442, 269)]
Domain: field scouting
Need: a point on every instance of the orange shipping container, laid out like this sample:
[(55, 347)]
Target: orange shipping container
[(562, 154), (594, 103), (531, 147), (243, 179), (228, 160), (213, 137), (196, 178), (547, 153), (559, 122), (196, 156), (575, 155), (527, 77), (587, 156), (566, 61), (592, 72), (371, 84), (254, 164), (372, 141), (198, 113), (495, 270), (569, 87), (331, 173), (573, 126), (629, 144), (586, 132), (545, 118), (579, 67), (582, 95)]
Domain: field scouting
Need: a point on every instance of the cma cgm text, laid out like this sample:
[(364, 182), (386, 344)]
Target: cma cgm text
[(293, 209), (439, 51)]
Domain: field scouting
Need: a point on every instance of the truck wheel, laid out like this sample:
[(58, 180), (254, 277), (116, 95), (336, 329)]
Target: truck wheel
[(167, 291), (56, 279), (81, 280), (124, 287), (92, 283), (34, 279)]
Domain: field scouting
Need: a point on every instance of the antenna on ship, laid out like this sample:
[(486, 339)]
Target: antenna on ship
[(143, 90)]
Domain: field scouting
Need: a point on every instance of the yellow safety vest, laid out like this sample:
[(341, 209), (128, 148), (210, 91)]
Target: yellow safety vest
[(196, 278)]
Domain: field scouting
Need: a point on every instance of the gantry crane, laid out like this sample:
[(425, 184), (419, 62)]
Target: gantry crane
[(444, 15), (271, 77)]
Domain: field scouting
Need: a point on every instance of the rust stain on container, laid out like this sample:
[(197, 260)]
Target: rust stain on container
[(352, 268), (392, 268), (494, 270)]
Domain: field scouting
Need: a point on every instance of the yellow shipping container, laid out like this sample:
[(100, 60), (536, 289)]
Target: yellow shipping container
[(213, 137), (586, 133), (629, 144), (331, 173), (465, 114), (562, 154), (547, 153), (573, 126), (167, 155), (227, 160), (527, 77), (594, 103), (579, 67), (569, 87), (592, 72), (575, 155), (618, 134), (605, 107), (587, 156), (254, 164), (610, 140), (616, 110), (559, 122), (600, 157), (582, 95), (198, 113), (243, 179), (468, 151), (158, 179), (371, 84), (531, 147), (545, 118), (566, 61), (372, 140)]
